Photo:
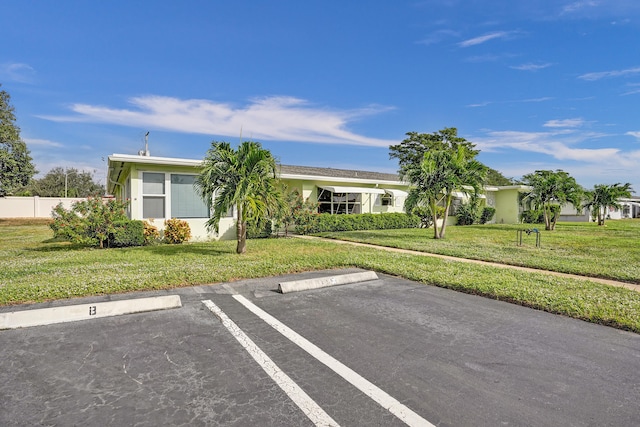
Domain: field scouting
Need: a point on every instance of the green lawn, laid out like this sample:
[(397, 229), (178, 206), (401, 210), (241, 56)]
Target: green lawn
[(611, 252), (35, 268)]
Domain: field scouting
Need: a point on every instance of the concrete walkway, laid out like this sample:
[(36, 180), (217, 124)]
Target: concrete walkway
[(475, 261)]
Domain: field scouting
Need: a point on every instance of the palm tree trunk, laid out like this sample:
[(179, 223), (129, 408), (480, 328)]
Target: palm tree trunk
[(242, 238), (443, 227), (241, 231), (434, 214), (546, 210)]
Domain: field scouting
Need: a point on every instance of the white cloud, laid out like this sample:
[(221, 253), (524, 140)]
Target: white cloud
[(278, 118), (531, 67), (635, 89), (480, 104), (566, 123), (484, 38), (438, 36), (579, 5), (557, 145), (634, 134), (606, 74), (17, 72), (541, 99), (42, 142), (484, 104)]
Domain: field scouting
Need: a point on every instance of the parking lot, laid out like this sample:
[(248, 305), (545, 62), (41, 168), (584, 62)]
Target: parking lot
[(382, 352)]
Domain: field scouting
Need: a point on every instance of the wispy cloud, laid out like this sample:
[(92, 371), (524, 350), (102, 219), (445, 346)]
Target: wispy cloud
[(635, 88), (480, 104), (579, 6), (606, 74), (634, 134), (485, 38), (485, 103), (17, 72), (558, 145), (531, 66), (42, 142), (278, 118), (541, 99), (438, 36), (566, 123)]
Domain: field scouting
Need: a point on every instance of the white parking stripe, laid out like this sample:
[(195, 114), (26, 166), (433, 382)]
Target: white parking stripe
[(380, 396), (311, 409)]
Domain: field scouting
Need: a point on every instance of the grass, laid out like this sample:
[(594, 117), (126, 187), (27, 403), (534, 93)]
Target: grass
[(610, 252), (35, 268)]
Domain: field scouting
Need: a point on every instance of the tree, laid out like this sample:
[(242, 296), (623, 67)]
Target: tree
[(441, 173), (495, 177), (16, 169), (604, 196), (410, 152), (245, 178), (59, 182), (437, 165), (550, 190)]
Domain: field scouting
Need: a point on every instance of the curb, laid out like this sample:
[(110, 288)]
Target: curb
[(323, 282), (73, 313)]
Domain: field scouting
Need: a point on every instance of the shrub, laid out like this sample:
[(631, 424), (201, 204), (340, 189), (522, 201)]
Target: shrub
[(151, 234), (88, 222), (384, 221), (305, 216), (259, 229), (424, 213), (467, 214), (176, 231), (487, 214), (127, 233), (533, 216)]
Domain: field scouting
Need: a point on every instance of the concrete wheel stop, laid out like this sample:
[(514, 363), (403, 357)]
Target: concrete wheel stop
[(72, 313), (323, 282)]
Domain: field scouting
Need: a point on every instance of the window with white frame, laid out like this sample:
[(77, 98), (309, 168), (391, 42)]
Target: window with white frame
[(185, 201), (153, 195), (339, 203)]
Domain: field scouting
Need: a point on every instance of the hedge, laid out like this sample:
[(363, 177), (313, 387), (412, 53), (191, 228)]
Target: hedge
[(367, 221)]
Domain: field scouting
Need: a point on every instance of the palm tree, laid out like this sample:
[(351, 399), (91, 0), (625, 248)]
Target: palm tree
[(550, 190), (606, 196), (441, 173), (245, 179)]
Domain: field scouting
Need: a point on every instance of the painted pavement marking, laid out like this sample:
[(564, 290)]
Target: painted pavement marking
[(385, 400), (311, 409)]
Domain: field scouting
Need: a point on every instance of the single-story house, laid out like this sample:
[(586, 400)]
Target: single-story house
[(629, 208), (160, 188)]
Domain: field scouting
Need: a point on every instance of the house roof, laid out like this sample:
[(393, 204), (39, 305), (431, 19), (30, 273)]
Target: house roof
[(337, 173), (117, 163)]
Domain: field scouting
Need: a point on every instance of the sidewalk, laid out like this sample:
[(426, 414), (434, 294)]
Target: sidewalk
[(475, 261)]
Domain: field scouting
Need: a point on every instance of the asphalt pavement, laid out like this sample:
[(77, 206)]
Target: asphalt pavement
[(332, 357)]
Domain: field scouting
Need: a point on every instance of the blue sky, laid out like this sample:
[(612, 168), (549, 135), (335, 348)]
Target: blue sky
[(536, 84)]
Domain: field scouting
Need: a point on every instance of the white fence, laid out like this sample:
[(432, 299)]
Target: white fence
[(32, 207)]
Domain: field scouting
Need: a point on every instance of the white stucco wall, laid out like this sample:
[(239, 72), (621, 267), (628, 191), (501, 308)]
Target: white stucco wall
[(32, 207)]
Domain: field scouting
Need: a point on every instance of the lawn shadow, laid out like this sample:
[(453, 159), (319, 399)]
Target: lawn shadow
[(59, 245), (188, 248)]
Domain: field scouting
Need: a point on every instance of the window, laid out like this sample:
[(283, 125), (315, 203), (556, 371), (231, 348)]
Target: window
[(185, 201), (153, 195), (339, 203)]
